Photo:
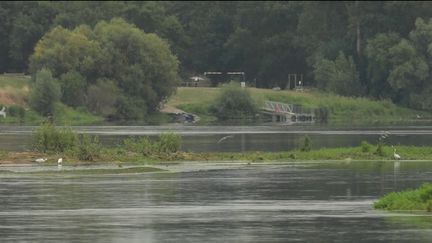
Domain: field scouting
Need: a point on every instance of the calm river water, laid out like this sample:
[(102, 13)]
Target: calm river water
[(303, 202), (242, 138)]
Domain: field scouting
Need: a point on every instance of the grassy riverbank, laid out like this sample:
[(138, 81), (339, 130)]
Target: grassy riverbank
[(14, 92), (124, 155), (340, 109), (418, 199)]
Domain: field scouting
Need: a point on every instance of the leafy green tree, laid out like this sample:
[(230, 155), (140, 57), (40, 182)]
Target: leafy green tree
[(142, 63), (73, 86), (45, 92), (379, 64), (339, 76), (102, 96), (62, 51)]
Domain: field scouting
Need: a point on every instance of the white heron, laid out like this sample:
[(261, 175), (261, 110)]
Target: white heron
[(395, 155), (41, 160), (226, 137), (59, 162)]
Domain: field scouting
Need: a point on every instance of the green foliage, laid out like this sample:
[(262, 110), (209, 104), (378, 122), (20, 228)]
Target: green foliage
[(365, 147), (101, 97), (380, 149), (167, 143), (65, 115), (73, 86), (306, 147), (234, 102), (419, 199), (113, 62), (48, 138), (385, 45), (45, 92), (88, 148), (129, 108), (339, 76), (17, 111)]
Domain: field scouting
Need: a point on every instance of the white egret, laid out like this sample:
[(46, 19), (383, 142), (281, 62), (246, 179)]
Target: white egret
[(395, 155), (41, 160), (59, 162)]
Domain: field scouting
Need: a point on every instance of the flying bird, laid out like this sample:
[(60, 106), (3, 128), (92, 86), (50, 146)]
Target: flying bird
[(224, 138)]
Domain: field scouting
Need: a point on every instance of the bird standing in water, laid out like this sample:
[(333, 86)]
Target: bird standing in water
[(59, 162)]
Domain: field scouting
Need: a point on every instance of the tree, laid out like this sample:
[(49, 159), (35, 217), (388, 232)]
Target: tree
[(234, 102), (141, 65), (339, 76), (73, 86), (45, 92)]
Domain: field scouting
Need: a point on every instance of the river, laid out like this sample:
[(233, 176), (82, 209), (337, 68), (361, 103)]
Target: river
[(216, 202), (242, 138)]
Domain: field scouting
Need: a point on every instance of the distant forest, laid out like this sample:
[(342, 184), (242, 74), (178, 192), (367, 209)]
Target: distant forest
[(381, 50)]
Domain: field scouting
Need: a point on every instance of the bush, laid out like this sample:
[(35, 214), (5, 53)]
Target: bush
[(73, 86), (45, 92), (88, 148), (16, 111), (365, 146), (306, 144), (166, 143), (130, 108), (380, 149), (139, 145), (48, 138), (234, 102)]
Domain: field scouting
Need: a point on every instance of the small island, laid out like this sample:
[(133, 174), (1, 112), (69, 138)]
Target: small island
[(411, 200)]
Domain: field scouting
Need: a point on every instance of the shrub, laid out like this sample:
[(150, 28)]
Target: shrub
[(88, 148), (16, 111), (139, 145), (73, 86), (168, 143), (306, 144), (45, 92), (365, 146), (380, 149), (234, 102), (48, 138)]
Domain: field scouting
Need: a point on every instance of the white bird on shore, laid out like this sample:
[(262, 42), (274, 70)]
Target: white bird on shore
[(59, 162), (226, 137), (395, 155), (41, 160)]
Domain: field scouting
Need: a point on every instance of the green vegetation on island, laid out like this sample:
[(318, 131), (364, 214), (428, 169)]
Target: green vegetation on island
[(410, 200)]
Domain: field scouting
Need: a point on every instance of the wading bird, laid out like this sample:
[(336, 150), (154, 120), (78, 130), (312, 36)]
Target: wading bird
[(395, 155), (41, 160), (59, 162)]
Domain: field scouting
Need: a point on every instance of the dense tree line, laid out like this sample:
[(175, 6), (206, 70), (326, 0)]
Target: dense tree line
[(358, 48)]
